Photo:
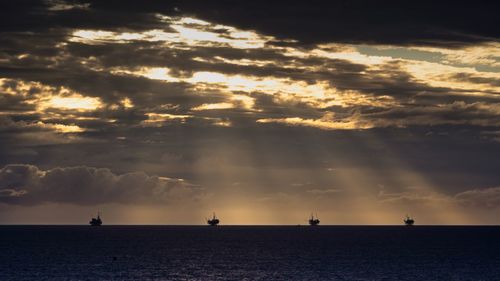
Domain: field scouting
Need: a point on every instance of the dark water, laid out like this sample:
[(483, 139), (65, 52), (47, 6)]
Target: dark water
[(249, 253)]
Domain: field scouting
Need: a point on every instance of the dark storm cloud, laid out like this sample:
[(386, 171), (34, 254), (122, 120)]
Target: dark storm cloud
[(443, 23), (182, 60), (27, 184), (37, 16), (111, 88), (386, 22), (60, 66), (389, 80)]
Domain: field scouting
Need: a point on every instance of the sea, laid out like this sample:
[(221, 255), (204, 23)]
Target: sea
[(250, 253)]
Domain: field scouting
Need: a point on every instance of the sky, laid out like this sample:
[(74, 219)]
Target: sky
[(162, 112)]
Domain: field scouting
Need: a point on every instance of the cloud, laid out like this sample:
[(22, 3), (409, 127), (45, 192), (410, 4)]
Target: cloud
[(471, 78), (221, 74), (29, 185), (484, 54), (482, 198), (423, 23), (427, 23), (327, 122), (456, 113), (35, 133), (321, 192), (415, 198), (61, 5)]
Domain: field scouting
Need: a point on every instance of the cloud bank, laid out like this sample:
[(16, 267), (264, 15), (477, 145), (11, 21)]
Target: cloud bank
[(28, 185)]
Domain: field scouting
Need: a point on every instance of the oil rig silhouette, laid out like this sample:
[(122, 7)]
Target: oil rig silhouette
[(409, 221), (214, 221), (96, 221), (314, 221)]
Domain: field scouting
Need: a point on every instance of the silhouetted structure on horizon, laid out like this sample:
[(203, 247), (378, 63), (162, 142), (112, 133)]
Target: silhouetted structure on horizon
[(313, 221), (96, 221), (214, 221), (409, 221)]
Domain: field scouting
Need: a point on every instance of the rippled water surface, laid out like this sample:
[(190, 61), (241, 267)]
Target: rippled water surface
[(249, 253)]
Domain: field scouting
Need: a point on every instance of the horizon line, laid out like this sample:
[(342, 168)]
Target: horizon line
[(255, 225)]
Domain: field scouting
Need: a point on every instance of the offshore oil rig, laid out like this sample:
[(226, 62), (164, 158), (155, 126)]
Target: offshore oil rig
[(96, 221), (313, 221), (409, 221), (214, 221)]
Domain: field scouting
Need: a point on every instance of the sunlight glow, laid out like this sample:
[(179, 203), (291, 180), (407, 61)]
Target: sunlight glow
[(72, 102), (327, 122), (127, 103), (211, 106), (186, 30), (65, 128), (54, 127)]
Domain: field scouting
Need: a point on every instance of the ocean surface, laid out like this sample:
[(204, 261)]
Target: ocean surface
[(249, 253)]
